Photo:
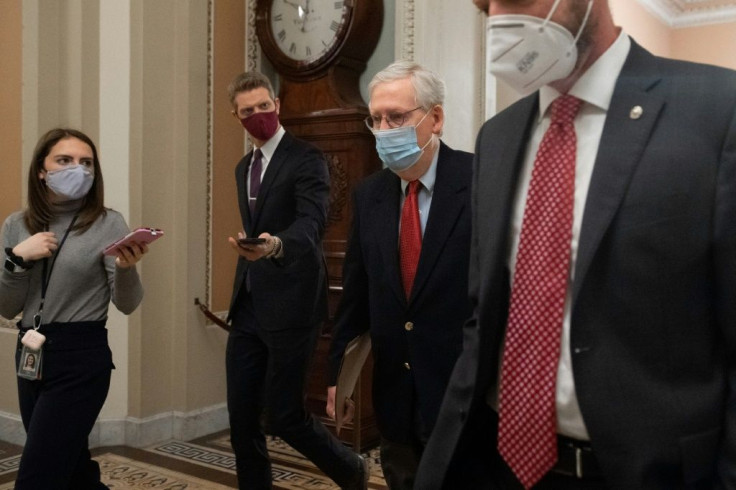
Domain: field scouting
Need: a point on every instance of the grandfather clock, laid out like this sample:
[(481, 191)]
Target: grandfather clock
[(319, 48)]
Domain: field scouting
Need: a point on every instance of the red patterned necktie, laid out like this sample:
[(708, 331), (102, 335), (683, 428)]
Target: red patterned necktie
[(255, 179), (410, 237), (527, 435)]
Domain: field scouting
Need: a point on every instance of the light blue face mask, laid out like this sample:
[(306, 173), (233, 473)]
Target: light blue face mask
[(398, 147), (70, 183)]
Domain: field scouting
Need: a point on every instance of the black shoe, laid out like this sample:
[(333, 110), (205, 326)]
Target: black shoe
[(361, 477)]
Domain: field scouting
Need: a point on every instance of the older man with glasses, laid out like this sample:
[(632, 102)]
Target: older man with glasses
[(406, 267)]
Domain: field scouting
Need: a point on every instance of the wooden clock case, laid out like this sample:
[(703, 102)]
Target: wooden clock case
[(321, 103)]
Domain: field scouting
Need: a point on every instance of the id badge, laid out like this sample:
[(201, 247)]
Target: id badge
[(33, 339), (30, 363)]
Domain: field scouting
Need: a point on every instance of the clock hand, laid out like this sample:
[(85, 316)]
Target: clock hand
[(307, 11)]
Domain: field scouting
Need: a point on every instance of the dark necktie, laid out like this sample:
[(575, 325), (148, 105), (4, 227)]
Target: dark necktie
[(410, 237), (255, 180), (527, 435)]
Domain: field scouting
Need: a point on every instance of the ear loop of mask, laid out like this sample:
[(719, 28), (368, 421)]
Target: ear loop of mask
[(582, 24)]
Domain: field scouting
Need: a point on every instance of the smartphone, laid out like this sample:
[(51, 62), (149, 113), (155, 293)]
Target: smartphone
[(139, 235), (251, 241)]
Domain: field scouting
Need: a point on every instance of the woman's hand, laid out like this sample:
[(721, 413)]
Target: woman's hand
[(128, 256), (38, 246)]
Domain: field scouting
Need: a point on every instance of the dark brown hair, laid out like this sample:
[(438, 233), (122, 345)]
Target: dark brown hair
[(247, 81), (40, 211)]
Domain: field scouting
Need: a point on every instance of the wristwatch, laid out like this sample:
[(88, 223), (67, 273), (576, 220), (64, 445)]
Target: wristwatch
[(13, 263)]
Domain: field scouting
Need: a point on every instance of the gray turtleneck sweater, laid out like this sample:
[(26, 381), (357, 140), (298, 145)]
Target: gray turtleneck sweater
[(83, 280)]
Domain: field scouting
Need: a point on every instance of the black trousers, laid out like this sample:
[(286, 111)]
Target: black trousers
[(400, 460), (60, 410), (266, 374)]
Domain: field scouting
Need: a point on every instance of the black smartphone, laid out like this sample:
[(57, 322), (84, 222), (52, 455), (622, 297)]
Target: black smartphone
[(251, 241)]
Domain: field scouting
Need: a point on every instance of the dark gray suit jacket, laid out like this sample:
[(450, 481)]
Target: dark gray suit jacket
[(373, 297), (653, 332)]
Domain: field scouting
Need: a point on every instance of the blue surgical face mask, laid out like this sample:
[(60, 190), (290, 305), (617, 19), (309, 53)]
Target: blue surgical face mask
[(70, 183), (398, 147)]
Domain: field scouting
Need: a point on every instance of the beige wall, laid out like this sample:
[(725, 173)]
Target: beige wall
[(12, 179), (714, 44), (227, 146), (176, 363), (639, 23)]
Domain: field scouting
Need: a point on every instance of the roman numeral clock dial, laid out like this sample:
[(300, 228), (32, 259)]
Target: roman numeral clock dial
[(303, 39), (306, 30)]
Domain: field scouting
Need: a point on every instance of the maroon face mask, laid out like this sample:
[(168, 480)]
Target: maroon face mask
[(261, 125)]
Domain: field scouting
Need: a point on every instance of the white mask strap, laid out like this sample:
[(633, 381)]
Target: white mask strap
[(585, 21), (552, 12)]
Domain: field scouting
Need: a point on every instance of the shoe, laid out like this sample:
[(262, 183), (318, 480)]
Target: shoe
[(361, 478)]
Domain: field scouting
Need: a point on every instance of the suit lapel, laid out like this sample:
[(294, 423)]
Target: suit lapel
[(622, 144), (278, 160), (447, 204), (496, 184), (385, 218)]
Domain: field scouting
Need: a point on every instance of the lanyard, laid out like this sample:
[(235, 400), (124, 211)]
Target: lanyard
[(47, 270)]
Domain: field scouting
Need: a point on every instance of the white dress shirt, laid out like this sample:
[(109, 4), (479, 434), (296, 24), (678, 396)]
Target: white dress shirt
[(595, 89)]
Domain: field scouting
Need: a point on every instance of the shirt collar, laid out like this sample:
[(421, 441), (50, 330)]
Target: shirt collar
[(429, 177), (269, 147), (596, 85)]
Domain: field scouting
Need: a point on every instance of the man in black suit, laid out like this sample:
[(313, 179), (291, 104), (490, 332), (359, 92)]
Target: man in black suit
[(278, 297), (644, 393), (415, 325)]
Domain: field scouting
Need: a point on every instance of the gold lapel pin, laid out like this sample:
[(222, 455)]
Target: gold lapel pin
[(636, 112)]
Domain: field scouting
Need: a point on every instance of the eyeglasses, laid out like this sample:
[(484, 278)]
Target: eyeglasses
[(393, 120)]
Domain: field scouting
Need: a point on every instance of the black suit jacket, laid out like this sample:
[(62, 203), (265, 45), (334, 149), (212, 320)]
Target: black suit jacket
[(373, 297), (653, 330), (292, 204)]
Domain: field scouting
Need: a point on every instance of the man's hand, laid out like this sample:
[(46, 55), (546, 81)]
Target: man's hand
[(348, 407), (255, 251)]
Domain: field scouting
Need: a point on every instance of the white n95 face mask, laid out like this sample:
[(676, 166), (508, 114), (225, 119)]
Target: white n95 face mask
[(527, 52)]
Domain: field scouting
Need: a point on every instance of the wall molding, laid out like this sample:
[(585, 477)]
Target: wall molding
[(405, 30), (135, 432), (692, 13), (252, 47)]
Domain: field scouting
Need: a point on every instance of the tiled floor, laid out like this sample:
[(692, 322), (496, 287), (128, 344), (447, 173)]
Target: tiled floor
[(205, 463)]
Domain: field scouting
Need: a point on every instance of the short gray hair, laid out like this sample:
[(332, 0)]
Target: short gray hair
[(429, 89)]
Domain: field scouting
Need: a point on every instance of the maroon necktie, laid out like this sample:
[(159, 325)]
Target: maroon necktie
[(527, 435), (410, 238), (255, 180)]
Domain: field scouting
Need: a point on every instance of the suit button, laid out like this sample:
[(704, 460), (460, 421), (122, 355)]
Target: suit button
[(407, 366), (408, 326)]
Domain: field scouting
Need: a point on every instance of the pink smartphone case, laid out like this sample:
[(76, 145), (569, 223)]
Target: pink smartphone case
[(139, 235)]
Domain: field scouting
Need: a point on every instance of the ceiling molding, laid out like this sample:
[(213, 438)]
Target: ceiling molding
[(691, 13)]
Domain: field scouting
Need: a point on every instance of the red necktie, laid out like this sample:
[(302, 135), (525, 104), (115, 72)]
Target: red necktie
[(410, 238), (527, 435), (255, 180)]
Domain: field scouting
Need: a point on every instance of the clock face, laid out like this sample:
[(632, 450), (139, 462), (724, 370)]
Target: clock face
[(307, 30)]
